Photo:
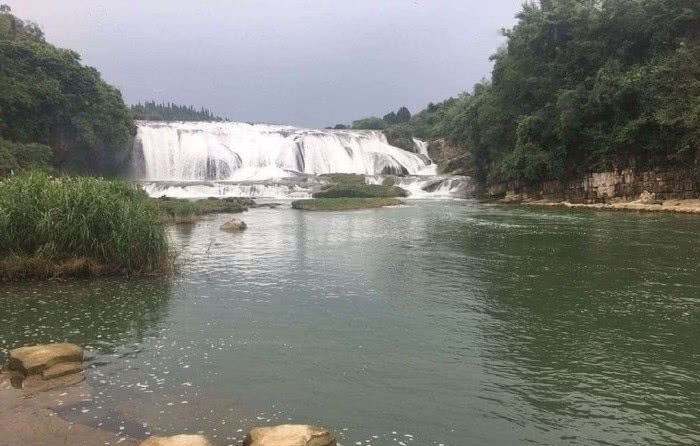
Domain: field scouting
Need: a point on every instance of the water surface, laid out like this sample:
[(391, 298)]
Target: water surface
[(436, 323)]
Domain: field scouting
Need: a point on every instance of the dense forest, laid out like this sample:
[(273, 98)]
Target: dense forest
[(60, 115), (151, 111), (580, 86), (54, 111)]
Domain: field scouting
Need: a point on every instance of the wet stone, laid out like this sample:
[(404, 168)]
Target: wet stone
[(289, 435), (177, 440), (35, 359)]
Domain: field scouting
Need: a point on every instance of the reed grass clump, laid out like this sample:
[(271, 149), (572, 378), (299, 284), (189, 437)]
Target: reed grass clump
[(182, 211), (72, 226), (361, 191)]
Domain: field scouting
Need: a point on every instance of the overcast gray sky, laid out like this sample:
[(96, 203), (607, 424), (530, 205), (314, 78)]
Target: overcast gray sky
[(300, 62)]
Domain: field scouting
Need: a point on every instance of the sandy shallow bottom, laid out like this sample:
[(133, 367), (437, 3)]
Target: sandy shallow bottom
[(676, 206), (32, 419)]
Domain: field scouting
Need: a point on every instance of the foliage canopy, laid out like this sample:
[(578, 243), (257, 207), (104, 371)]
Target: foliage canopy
[(48, 97), (581, 85)]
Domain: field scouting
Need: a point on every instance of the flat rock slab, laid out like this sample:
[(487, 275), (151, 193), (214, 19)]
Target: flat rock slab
[(34, 384), (62, 369), (26, 421), (289, 435), (35, 359), (177, 440)]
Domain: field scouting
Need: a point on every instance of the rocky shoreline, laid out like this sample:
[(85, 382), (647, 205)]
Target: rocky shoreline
[(678, 206), (38, 380)]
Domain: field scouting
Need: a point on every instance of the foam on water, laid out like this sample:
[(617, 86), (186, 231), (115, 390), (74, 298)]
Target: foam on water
[(445, 186)]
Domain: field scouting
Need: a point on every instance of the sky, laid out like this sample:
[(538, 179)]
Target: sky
[(309, 63)]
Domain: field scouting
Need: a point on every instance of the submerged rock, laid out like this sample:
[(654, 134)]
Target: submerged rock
[(289, 435), (36, 359), (234, 225), (177, 440)]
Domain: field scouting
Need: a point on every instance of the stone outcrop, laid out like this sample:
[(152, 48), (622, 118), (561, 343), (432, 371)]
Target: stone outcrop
[(177, 440), (289, 435), (36, 359), (234, 225), (648, 198), (46, 366)]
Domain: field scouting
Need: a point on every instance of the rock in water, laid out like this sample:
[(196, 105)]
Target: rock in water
[(289, 435), (36, 359), (234, 225), (177, 440)]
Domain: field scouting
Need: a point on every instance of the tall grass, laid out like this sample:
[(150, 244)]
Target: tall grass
[(79, 221), (181, 211)]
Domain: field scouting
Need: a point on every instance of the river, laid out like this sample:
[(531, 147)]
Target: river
[(435, 323)]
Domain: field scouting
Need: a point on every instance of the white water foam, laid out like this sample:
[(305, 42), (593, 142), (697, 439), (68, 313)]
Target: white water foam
[(235, 151), (234, 159), (422, 187)]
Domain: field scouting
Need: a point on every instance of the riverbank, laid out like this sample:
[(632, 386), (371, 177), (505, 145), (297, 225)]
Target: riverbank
[(78, 226), (679, 206)]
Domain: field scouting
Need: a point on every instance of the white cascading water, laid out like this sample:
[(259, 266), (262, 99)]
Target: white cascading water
[(201, 159), (234, 151)]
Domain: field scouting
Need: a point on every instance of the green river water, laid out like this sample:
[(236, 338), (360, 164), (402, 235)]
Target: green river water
[(437, 323)]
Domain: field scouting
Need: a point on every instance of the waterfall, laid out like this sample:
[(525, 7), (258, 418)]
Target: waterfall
[(236, 151), (235, 159)]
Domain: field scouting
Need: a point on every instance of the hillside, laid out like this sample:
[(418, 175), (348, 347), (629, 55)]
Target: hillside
[(54, 111), (579, 86)]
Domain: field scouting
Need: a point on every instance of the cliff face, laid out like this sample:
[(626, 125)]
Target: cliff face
[(599, 187), (449, 159)]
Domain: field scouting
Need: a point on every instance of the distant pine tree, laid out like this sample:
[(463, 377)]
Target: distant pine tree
[(151, 111)]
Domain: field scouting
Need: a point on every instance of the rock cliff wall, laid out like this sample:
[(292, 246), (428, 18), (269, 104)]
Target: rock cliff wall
[(602, 186)]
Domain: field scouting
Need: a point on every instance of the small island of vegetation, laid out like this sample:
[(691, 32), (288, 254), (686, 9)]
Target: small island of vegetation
[(349, 192)]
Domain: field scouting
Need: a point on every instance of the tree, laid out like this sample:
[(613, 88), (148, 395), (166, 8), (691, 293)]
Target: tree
[(580, 86), (151, 111), (403, 115), (372, 123), (49, 98)]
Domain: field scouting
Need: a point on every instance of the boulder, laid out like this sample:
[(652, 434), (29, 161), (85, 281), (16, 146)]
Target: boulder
[(234, 225), (648, 198), (62, 369), (177, 440), (289, 435), (36, 359)]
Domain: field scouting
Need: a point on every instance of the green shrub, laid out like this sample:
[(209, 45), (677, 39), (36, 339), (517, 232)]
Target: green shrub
[(107, 223), (343, 204), (174, 210), (361, 191), (372, 123), (16, 156), (389, 181), (345, 178)]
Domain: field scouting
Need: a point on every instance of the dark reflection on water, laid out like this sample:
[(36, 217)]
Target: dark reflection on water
[(98, 314), (438, 323)]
